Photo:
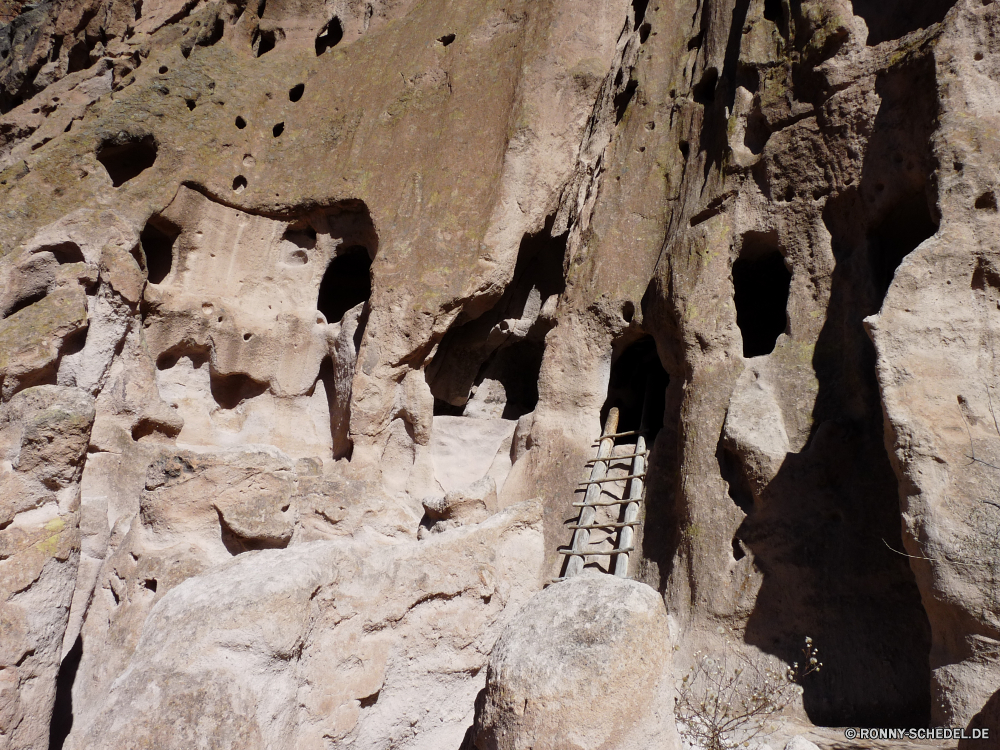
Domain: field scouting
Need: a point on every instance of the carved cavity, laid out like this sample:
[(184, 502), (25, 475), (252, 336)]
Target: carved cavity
[(330, 36), (489, 366), (157, 240), (346, 283), (127, 157), (761, 282)]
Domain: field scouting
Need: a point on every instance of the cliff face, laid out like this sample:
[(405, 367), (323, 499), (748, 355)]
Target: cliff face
[(313, 311)]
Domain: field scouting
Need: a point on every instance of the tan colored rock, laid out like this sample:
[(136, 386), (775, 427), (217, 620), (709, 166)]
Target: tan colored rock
[(44, 434), (326, 644), (584, 664)]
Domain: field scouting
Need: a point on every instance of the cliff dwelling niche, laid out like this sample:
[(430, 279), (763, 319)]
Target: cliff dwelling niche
[(637, 387), (892, 19), (489, 366), (127, 157), (346, 283), (157, 240), (761, 282)]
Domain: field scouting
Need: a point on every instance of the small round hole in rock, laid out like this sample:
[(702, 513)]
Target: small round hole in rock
[(987, 201), (247, 336), (278, 129), (190, 104), (239, 184), (163, 69), (446, 39), (296, 92), (978, 56), (241, 123)]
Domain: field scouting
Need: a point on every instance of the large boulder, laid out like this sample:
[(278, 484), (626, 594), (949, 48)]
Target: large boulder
[(361, 643), (585, 665)]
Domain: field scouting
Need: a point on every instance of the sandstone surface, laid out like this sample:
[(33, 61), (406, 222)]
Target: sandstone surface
[(312, 312)]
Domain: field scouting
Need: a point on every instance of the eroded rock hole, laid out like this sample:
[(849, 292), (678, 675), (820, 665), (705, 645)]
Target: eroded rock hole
[(904, 227), (295, 93), (229, 391), (987, 201), (638, 12), (623, 98), (127, 158), (446, 39), (733, 471), (263, 41), (330, 36), (892, 19), (239, 184), (346, 283), (637, 387), (704, 90), (761, 283), (65, 252), (278, 129), (241, 123), (62, 712), (488, 366), (157, 240)]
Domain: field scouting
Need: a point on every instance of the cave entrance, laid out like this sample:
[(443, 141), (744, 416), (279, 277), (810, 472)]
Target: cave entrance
[(157, 239), (127, 158), (761, 282), (346, 283), (638, 388), (488, 367)]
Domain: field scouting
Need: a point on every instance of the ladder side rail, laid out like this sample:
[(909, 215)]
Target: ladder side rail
[(627, 534), (581, 537)]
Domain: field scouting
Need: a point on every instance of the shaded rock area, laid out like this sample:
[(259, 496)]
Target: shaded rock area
[(311, 314)]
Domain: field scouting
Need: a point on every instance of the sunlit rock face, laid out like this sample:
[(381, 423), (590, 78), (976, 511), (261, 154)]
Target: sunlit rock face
[(310, 315)]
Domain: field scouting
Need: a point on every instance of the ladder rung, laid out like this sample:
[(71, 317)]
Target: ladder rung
[(611, 459), (604, 503), (606, 525), (616, 434), (593, 553), (612, 479)]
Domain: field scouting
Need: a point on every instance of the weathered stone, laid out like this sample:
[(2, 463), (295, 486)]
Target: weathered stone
[(584, 664)]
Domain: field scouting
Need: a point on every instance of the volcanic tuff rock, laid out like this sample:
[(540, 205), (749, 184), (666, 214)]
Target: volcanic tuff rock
[(591, 641), (301, 302)]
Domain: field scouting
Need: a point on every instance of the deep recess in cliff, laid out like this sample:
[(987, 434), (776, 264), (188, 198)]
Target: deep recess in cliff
[(312, 312)]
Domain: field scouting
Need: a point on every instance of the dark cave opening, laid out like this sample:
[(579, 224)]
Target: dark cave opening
[(62, 712), (346, 283), (904, 227), (127, 159), (494, 360), (637, 387), (229, 391), (761, 282), (157, 240), (330, 36), (892, 19), (263, 41)]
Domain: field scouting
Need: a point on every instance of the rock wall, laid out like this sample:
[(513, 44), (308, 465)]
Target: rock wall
[(319, 308)]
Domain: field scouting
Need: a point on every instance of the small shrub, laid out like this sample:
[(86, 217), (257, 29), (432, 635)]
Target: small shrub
[(727, 700)]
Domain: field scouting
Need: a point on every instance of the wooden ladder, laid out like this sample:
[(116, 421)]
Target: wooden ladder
[(578, 550)]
